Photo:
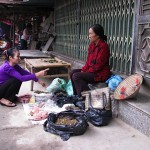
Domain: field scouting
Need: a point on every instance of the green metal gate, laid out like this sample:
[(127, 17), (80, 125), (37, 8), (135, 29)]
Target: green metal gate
[(66, 27), (74, 17)]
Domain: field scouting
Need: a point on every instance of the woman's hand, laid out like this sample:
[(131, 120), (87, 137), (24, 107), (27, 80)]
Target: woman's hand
[(41, 73), (42, 83)]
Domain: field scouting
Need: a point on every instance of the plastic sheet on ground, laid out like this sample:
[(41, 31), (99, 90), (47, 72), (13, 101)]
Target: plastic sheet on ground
[(45, 108)]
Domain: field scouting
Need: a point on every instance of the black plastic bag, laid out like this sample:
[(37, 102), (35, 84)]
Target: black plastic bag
[(65, 131), (99, 117), (80, 104), (60, 98)]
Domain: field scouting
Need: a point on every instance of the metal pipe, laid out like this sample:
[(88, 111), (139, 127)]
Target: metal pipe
[(13, 28), (78, 28)]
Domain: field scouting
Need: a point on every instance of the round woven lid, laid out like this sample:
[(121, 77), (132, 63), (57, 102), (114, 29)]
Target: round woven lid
[(129, 87)]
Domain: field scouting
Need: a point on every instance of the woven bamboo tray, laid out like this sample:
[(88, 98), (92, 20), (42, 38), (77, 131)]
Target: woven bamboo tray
[(129, 87)]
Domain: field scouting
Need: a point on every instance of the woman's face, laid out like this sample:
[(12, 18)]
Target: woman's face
[(16, 59), (92, 36)]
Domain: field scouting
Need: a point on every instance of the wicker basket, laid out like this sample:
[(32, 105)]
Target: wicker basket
[(129, 87)]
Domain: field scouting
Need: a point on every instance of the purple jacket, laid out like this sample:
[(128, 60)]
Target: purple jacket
[(7, 72)]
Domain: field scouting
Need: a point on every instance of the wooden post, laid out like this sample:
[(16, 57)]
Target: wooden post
[(32, 82)]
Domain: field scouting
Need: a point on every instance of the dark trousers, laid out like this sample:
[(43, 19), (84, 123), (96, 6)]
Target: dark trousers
[(80, 81), (9, 89), (23, 44)]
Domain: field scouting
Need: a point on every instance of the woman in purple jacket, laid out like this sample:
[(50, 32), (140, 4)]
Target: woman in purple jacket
[(12, 76)]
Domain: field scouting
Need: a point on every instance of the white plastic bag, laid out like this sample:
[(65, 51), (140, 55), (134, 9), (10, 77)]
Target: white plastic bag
[(57, 84)]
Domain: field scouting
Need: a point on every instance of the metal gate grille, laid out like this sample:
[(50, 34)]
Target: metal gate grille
[(66, 27), (74, 17)]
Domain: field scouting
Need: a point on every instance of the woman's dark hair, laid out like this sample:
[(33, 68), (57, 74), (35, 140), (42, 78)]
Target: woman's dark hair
[(9, 52), (29, 26), (99, 30)]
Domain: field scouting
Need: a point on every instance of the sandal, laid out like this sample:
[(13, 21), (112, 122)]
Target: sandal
[(7, 103)]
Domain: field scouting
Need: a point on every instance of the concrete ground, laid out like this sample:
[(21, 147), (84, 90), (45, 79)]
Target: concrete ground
[(17, 133)]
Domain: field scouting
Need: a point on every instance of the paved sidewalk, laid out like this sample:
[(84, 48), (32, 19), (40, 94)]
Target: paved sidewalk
[(17, 133)]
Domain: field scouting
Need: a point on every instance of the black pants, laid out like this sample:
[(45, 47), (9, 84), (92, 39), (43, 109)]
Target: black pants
[(9, 89), (80, 81), (23, 44)]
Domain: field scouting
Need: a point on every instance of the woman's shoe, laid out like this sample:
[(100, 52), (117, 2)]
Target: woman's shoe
[(7, 103)]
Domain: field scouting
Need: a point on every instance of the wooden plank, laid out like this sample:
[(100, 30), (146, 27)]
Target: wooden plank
[(33, 54), (56, 75), (27, 63), (48, 43), (38, 63)]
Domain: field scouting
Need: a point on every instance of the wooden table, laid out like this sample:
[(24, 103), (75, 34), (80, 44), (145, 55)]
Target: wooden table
[(39, 64)]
